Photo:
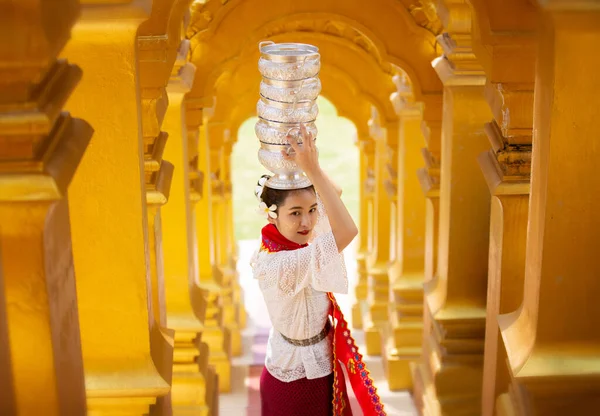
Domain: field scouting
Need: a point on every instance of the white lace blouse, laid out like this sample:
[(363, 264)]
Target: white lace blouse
[(294, 285)]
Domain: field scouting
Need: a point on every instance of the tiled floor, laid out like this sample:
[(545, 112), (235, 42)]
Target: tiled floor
[(244, 398)]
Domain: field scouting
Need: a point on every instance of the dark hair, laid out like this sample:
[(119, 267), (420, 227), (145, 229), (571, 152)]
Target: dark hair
[(272, 196)]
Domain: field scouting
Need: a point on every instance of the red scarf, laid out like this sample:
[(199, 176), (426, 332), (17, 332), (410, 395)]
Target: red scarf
[(345, 351)]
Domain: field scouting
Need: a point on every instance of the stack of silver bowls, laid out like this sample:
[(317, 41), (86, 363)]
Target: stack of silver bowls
[(288, 93)]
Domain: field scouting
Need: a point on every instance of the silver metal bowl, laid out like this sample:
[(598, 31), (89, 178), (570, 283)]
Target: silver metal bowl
[(270, 132), (286, 174), (301, 112), (287, 52), (290, 91), (289, 71)]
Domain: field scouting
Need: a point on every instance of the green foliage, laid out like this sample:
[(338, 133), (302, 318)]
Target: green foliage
[(338, 156)]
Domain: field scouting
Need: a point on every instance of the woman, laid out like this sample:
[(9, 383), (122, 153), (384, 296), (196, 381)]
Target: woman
[(302, 374)]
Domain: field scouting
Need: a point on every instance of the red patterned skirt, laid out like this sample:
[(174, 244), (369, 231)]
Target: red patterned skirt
[(302, 397)]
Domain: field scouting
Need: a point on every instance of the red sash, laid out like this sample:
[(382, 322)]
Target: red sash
[(345, 351)]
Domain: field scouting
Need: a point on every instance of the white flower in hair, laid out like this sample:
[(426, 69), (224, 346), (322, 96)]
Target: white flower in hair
[(267, 211), (260, 187)]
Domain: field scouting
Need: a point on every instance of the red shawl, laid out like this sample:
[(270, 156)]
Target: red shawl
[(345, 351)]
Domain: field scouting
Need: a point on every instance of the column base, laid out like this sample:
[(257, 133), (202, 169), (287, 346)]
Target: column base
[(397, 368), (357, 315), (217, 335), (219, 356), (235, 339), (162, 349), (377, 320), (212, 390), (454, 362), (402, 349), (106, 396), (373, 339), (230, 315), (119, 406), (189, 391), (424, 395)]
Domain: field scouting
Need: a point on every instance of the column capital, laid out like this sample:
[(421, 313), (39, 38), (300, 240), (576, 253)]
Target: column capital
[(46, 33), (159, 40), (458, 64), (183, 72), (198, 109), (451, 76)]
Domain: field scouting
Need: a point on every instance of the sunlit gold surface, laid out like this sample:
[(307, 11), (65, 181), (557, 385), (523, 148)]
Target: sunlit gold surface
[(135, 226)]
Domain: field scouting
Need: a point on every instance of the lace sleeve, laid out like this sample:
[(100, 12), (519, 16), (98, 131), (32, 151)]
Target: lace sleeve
[(322, 226), (318, 265)]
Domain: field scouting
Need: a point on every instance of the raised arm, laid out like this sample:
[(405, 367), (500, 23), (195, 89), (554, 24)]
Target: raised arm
[(306, 157)]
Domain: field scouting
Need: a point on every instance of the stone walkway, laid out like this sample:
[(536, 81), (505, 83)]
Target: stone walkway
[(244, 400)]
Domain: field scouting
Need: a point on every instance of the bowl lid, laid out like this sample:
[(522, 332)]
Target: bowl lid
[(286, 52)]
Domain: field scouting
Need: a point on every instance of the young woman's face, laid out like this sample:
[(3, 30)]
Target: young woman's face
[(297, 216)]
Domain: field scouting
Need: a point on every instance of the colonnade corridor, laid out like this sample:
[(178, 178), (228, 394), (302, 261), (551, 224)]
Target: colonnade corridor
[(244, 398), (475, 152)]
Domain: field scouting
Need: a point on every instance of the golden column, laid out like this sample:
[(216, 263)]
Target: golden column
[(379, 255), (429, 179), (366, 148), (215, 333), (41, 367), (229, 250), (406, 275), (157, 45), (108, 214), (219, 134), (506, 167), (456, 298), (552, 339), (161, 337), (185, 299), (193, 116)]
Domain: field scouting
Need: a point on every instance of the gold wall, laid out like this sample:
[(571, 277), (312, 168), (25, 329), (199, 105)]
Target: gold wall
[(476, 258)]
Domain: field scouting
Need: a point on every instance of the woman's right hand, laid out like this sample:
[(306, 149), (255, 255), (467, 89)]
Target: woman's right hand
[(305, 155)]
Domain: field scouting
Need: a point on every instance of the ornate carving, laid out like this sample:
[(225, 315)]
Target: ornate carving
[(514, 160), (198, 20), (391, 188), (370, 181), (331, 27), (425, 14)]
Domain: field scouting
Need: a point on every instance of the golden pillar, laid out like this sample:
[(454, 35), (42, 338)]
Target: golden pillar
[(552, 339), (366, 148), (41, 367), (429, 178), (108, 215), (218, 135), (185, 299), (215, 333), (161, 338), (506, 168), (456, 298), (228, 250), (193, 117), (406, 276), (379, 256), (7, 393), (157, 47)]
